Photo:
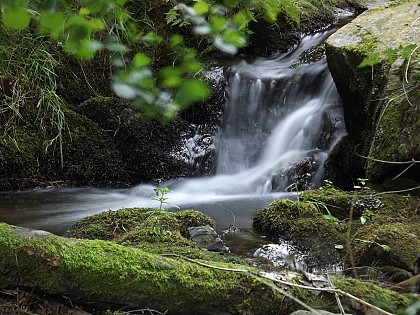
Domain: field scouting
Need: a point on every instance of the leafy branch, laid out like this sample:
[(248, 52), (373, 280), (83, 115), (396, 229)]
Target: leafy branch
[(175, 86)]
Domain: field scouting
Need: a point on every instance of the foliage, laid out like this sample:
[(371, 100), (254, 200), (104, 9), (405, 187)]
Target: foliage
[(160, 197), (371, 242), (29, 72), (104, 24), (321, 206)]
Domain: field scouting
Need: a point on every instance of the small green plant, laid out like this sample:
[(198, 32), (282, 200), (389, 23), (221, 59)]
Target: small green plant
[(160, 197), (294, 187), (361, 184), (158, 228), (366, 215), (327, 185), (385, 247)]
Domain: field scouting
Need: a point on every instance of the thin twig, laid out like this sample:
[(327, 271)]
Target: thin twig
[(405, 170), (337, 297), (413, 161), (260, 276), (396, 191)]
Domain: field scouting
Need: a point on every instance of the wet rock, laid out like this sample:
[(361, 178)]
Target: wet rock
[(393, 244), (207, 238), (302, 225), (380, 120)]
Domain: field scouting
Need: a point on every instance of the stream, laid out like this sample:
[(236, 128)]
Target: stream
[(282, 117)]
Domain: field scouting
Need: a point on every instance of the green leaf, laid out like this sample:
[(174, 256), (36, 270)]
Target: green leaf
[(271, 10), (171, 77), (176, 40), (291, 9), (406, 51), (141, 60), (51, 23), (241, 19), (116, 47), (371, 60), (217, 23), (201, 7), (191, 91), (235, 38), (152, 37), (386, 248), (16, 18)]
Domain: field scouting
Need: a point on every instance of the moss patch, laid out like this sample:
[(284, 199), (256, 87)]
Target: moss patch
[(391, 223), (158, 231), (388, 300), (302, 224), (95, 271)]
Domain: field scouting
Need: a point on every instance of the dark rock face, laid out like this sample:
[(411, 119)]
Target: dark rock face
[(381, 120)]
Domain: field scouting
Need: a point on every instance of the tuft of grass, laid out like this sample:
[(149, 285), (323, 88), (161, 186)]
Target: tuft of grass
[(27, 74)]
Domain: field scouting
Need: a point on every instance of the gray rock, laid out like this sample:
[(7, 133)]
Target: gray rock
[(381, 121), (206, 238)]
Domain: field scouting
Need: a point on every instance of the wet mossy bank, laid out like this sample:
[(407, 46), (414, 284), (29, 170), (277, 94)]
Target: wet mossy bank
[(133, 271), (371, 235)]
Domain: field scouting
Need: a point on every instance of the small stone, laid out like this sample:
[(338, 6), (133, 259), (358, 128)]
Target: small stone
[(206, 238)]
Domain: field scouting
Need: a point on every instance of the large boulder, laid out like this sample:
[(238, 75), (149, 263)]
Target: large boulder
[(380, 101)]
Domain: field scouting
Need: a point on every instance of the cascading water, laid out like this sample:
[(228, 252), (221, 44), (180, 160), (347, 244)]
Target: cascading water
[(281, 118), (281, 114)]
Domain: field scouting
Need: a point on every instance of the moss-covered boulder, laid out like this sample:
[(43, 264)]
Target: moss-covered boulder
[(303, 225), (159, 231), (374, 232), (392, 244), (81, 152), (380, 101)]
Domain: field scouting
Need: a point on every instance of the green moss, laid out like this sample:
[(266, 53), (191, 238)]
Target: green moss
[(398, 122), (402, 239), (97, 270), (146, 228), (302, 225), (388, 300)]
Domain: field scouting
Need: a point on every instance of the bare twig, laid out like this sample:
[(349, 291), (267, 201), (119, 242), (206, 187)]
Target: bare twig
[(397, 191), (413, 161), (337, 297), (261, 278)]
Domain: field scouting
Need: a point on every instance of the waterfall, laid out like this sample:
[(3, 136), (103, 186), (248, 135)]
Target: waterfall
[(282, 117)]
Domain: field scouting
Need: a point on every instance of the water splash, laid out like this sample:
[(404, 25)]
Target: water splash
[(279, 111)]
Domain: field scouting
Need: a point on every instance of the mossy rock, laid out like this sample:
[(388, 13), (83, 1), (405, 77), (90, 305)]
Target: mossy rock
[(303, 226), (337, 201), (101, 273), (104, 275), (144, 143), (134, 226), (385, 299), (379, 118), (343, 166), (399, 122), (402, 241)]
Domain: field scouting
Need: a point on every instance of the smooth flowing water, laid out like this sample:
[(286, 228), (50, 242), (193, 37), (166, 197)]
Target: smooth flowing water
[(282, 117)]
